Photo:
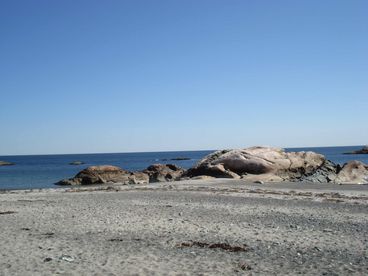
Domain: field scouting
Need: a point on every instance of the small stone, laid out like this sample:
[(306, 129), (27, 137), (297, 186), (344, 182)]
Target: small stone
[(5, 163), (48, 259), (76, 163), (244, 266), (67, 258)]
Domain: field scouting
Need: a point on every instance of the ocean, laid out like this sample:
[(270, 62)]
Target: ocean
[(42, 171)]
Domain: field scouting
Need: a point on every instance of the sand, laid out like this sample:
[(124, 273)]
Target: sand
[(213, 227)]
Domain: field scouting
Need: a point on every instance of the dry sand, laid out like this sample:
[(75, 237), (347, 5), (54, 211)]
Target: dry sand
[(213, 227)]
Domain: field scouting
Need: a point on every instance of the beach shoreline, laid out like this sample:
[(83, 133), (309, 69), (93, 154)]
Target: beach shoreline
[(200, 227)]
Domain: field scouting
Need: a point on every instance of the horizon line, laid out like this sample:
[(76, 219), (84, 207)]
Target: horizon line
[(92, 153)]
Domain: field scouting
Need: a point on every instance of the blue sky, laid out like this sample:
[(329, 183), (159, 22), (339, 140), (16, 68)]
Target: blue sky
[(118, 76)]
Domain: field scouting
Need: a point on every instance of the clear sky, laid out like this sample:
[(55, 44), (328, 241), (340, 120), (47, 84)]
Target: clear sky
[(116, 76)]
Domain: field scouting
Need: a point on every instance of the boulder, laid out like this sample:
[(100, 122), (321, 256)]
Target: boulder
[(274, 162), (105, 174), (364, 150), (326, 173), (4, 163), (163, 172), (353, 172)]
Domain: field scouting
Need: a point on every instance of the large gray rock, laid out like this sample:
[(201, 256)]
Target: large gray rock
[(273, 162), (105, 174), (163, 172), (353, 172)]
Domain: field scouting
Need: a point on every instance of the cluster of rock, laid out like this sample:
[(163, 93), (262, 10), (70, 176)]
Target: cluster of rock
[(259, 163), (274, 165), (112, 174), (252, 164), (76, 163), (363, 150), (5, 163), (177, 159)]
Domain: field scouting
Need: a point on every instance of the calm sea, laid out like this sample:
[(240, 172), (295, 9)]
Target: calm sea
[(42, 171)]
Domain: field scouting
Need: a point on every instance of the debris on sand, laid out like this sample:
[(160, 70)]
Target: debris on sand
[(7, 212), (223, 246), (67, 258), (244, 266)]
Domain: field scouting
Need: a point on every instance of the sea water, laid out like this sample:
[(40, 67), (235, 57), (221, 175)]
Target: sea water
[(42, 171)]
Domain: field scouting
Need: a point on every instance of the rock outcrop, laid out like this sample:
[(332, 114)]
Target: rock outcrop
[(353, 172), (105, 174), (180, 158), (274, 163), (255, 164), (364, 150), (163, 172), (4, 163), (76, 163)]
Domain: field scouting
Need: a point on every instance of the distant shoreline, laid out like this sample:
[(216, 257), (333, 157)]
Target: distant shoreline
[(168, 151)]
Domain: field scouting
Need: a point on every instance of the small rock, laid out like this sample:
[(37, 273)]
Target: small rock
[(76, 163), (244, 266), (180, 158), (48, 259), (5, 163), (67, 258), (258, 182)]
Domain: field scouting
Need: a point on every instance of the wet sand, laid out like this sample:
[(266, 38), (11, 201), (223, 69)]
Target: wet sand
[(211, 227)]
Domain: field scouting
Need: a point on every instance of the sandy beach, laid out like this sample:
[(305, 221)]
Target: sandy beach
[(202, 227)]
